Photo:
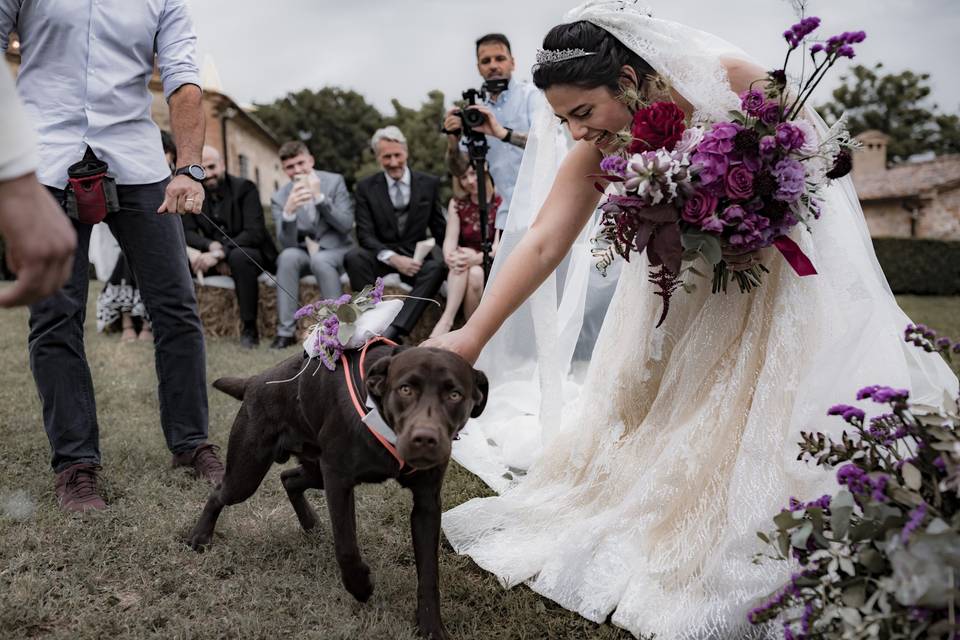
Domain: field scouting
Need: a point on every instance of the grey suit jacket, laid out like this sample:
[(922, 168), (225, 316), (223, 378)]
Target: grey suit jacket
[(333, 223)]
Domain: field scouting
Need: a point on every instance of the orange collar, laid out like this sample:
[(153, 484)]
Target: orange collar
[(356, 393)]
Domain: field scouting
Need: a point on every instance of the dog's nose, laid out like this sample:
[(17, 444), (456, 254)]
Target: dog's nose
[(424, 439)]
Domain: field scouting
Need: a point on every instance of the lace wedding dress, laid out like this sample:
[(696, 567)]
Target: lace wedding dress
[(635, 474)]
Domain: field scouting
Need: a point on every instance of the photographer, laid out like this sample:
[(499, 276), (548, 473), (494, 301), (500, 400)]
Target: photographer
[(508, 111)]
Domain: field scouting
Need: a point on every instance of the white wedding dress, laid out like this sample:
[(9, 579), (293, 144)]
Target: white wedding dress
[(634, 476)]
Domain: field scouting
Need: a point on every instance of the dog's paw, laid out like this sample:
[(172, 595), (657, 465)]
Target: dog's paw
[(199, 541), (357, 582)]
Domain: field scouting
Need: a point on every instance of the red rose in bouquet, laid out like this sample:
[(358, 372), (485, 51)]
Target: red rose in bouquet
[(659, 125)]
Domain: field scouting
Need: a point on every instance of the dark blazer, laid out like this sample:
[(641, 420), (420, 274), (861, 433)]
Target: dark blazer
[(377, 227), (242, 217)]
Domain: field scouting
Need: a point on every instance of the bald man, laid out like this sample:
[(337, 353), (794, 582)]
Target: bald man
[(233, 218)]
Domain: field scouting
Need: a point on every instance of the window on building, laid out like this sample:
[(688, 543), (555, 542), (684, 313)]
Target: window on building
[(244, 162)]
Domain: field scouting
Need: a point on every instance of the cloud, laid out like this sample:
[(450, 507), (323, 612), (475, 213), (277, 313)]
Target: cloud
[(405, 48)]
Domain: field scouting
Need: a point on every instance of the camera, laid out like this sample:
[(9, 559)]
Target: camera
[(471, 118)]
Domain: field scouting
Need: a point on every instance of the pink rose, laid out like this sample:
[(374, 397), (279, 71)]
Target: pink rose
[(739, 183), (699, 207)]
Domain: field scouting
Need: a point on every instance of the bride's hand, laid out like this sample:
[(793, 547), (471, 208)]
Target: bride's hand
[(742, 260), (462, 342)]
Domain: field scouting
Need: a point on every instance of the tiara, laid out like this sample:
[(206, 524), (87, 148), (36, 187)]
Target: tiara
[(549, 56)]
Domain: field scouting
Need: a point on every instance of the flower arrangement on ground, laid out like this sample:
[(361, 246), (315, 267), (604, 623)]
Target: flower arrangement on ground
[(735, 186), (881, 558)]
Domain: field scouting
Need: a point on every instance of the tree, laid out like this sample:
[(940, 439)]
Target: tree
[(898, 105), (335, 124)]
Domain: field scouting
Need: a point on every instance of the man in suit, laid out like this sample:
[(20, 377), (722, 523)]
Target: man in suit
[(395, 209), (233, 206), (314, 218)]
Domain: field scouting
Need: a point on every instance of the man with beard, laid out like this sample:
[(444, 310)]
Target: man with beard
[(232, 238), (508, 116)]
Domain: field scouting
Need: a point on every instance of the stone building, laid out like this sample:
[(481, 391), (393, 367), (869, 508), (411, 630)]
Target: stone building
[(247, 145), (909, 200)]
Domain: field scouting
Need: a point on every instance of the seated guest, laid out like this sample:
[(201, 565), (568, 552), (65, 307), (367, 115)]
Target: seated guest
[(395, 209), (462, 248), (314, 217), (233, 206)]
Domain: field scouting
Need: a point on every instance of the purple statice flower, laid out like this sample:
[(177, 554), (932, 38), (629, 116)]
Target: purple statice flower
[(823, 502), (344, 299), (790, 176), (882, 394), (789, 136), (841, 44), (795, 34), (376, 296), (845, 51), (878, 488), (752, 102), (817, 48), (614, 165), (939, 464), (806, 619), (850, 414), (852, 477), (303, 312), (914, 520)]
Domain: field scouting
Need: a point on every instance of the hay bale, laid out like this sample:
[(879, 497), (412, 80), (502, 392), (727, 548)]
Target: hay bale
[(220, 313)]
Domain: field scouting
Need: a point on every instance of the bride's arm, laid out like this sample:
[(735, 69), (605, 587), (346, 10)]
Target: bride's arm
[(568, 207)]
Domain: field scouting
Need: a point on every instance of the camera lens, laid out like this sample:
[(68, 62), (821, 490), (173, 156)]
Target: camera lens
[(472, 118)]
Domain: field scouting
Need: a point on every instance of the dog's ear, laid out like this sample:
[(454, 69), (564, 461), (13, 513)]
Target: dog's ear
[(377, 378), (480, 389)]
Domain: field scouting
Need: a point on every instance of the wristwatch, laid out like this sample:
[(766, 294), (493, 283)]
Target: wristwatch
[(506, 138), (194, 171)]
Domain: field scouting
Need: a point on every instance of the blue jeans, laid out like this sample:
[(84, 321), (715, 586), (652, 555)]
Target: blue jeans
[(155, 249)]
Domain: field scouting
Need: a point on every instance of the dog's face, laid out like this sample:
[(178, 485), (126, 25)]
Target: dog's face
[(426, 396)]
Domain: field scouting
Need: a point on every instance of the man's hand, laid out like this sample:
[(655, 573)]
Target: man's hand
[(184, 195), (299, 196), (39, 238), (406, 266), (490, 125), (216, 247), (452, 122), (206, 261)]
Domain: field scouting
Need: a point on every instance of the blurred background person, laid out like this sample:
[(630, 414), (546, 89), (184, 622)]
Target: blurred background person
[(313, 214), (232, 239), (462, 247)]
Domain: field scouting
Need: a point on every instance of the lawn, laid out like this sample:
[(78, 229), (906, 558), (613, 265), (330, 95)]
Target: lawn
[(126, 573)]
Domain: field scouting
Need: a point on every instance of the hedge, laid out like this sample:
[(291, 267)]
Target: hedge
[(922, 267)]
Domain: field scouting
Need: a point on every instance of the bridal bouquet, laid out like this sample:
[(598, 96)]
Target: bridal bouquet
[(729, 187), (346, 322)]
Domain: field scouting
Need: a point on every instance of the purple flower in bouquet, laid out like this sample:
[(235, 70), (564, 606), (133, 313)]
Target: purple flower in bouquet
[(711, 167), (752, 102), (739, 183), (790, 136), (699, 207), (768, 147), (614, 165), (790, 176), (376, 296), (882, 394), (849, 414), (720, 138), (795, 34), (914, 521), (713, 224), (771, 114), (303, 312), (753, 232), (733, 215)]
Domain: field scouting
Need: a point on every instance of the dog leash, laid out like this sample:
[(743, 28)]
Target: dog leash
[(236, 246)]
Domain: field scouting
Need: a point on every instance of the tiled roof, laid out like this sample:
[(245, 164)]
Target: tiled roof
[(910, 179)]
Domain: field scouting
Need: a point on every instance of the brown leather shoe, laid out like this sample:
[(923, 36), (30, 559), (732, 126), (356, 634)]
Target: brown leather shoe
[(76, 488), (205, 462)]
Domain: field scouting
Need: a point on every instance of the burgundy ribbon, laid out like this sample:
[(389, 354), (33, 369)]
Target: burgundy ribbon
[(795, 256)]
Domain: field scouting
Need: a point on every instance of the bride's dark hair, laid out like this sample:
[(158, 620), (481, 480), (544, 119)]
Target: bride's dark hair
[(588, 72)]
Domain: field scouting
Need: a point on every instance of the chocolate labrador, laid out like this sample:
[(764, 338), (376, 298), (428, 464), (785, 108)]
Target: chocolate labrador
[(425, 395)]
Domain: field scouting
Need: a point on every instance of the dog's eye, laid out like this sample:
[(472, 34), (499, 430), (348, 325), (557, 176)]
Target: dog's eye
[(456, 396), (405, 390)]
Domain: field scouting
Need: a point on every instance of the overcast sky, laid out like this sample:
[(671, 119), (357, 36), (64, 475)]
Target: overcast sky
[(404, 48)]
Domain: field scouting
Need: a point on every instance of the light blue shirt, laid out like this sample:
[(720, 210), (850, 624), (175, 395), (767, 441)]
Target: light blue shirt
[(84, 75), (515, 108)]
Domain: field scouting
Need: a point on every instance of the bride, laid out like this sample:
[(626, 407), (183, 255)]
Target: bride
[(635, 473)]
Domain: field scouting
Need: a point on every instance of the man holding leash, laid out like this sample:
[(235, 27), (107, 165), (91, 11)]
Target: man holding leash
[(84, 75)]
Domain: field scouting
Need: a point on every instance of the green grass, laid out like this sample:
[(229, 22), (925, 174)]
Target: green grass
[(126, 573)]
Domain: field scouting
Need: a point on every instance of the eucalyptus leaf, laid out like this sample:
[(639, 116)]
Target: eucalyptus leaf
[(347, 313), (346, 332), (800, 536), (911, 476), (855, 595), (840, 520), (851, 616), (703, 243)]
